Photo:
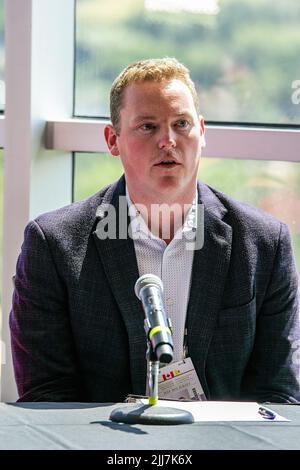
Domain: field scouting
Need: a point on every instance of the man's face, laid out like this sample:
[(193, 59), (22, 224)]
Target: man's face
[(159, 141)]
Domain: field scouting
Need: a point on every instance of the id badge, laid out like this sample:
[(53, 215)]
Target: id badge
[(179, 381)]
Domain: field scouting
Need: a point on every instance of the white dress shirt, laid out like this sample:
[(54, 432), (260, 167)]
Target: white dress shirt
[(172, 263)]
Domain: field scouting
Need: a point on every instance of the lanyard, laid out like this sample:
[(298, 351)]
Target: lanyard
[(185, 345)]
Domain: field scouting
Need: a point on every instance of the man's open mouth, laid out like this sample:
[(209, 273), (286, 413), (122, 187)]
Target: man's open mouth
[(167, 163)]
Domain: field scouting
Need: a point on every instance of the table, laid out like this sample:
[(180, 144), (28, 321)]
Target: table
[(87, 426)]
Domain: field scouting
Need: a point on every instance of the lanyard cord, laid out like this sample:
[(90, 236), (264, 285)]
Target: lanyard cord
[(185, 345)]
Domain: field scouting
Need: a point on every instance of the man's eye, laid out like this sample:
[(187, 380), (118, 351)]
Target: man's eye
[(182, 123), (147, 126)]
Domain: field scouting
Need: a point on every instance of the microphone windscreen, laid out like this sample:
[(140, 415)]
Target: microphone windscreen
[(147, 280)]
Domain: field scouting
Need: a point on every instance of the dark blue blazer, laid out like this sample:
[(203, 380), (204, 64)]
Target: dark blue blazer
[(77, 327)]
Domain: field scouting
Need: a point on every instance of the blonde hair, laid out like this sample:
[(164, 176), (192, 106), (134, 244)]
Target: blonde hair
[(152, 70)]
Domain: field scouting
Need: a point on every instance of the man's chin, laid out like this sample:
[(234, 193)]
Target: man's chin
[(167, 188), (168, 183)]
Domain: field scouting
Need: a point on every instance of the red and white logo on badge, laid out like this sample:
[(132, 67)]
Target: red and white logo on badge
[(171, 375)]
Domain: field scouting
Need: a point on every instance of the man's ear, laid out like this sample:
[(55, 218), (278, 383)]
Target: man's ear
[(202, 130), (110, 135)]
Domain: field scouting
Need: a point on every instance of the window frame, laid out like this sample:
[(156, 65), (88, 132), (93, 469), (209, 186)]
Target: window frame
[(238, 142)]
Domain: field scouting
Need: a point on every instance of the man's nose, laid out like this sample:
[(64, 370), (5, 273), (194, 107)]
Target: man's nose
[(167, 139)]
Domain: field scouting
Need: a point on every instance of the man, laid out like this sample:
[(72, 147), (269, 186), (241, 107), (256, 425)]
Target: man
[(77, 327)]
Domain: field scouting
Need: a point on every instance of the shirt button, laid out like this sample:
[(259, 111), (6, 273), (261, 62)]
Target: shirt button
[(169, 301)]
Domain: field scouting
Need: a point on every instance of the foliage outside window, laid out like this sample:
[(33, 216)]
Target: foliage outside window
[(244, 57)]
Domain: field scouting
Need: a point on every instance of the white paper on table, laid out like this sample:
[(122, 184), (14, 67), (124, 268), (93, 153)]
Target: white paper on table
[(220, 410)]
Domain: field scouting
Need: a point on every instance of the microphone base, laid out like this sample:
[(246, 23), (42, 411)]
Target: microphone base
[(147, 414)]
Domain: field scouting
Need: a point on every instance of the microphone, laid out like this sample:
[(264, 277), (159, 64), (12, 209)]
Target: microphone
[(149, 288)]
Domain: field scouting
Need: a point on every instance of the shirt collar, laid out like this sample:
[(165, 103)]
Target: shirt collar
[(139, 225)]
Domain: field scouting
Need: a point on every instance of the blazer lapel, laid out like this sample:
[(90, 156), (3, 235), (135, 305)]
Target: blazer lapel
[(209, 272), (119, 261)]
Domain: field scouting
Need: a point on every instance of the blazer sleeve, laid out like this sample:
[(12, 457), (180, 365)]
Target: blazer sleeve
[(273, 373), (42, 345)]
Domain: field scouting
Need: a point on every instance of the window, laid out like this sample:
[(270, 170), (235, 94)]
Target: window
[(243, 55), (94, 171), (2, 87)]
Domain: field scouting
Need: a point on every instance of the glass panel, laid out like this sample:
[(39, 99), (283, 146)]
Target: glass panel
[(243, 55), (2, 88), (271, 186), (94, 171)]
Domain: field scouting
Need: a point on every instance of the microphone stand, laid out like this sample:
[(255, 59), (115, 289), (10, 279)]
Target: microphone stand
[(153, 371), (151, 413)]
